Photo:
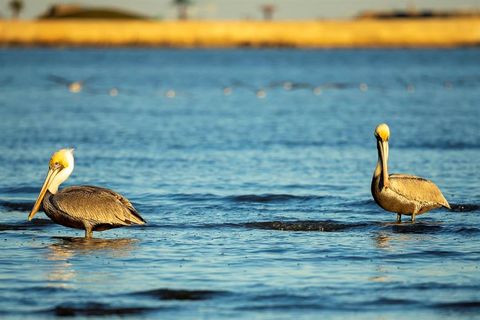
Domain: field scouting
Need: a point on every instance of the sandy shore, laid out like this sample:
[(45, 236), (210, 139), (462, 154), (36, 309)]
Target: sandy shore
[(307, 34)]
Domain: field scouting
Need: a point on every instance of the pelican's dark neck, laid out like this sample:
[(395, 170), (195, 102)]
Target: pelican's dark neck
[(378, 168), (380, 175), (47, 196)]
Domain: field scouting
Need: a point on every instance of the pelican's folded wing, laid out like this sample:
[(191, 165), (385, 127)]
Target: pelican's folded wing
[(418, 189), (98, 205)]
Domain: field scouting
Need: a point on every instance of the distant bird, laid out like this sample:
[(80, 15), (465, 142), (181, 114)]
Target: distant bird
[(260, 93), (227, 90), (73, 86), (401, 193), (113, 92), (363, 87), (170, 94), (287, 85), (81, 207), (290, 85), (318, 89)]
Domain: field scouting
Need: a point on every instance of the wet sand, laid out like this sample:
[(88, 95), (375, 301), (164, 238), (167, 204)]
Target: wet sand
[(302, 34)]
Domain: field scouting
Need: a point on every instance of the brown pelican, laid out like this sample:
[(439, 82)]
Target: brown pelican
[(81, 207), (401, 193)]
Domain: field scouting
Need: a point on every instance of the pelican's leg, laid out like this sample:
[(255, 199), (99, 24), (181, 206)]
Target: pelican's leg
[(399, 217), (88, 232), (413, 217)]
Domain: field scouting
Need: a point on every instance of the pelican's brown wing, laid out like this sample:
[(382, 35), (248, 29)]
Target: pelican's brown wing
[(417, 189), (97, 205)]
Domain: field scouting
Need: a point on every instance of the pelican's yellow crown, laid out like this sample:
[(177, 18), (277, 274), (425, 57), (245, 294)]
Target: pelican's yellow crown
[(63, 157), (382, 132)]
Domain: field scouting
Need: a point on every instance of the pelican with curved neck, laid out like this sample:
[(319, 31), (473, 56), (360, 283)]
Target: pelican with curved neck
[(82, 207), (382, 133), (401, 193), (60, 168)]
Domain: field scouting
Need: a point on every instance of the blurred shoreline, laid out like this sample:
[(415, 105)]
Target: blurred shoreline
[(364, 33)]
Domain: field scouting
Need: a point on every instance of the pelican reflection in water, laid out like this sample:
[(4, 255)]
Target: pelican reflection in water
[(66, 247), (401, 193), (81, 207), (63, 273)]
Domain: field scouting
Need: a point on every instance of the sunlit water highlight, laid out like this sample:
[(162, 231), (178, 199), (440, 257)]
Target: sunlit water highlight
[(258, 205)]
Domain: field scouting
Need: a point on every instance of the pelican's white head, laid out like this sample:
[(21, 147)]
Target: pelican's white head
[(382, 132), (59, 169), (62, 160)]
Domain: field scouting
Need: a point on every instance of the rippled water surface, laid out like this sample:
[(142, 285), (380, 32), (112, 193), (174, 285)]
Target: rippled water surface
[(257, 199)]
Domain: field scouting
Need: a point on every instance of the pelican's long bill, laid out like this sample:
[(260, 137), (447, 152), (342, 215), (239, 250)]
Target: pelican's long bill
[(383, 145), (48, 180)]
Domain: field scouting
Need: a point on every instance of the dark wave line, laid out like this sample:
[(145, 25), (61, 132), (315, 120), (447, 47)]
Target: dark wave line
[(425, 286), (307, 225), (464, 207), (42, 289), (17, 205), (26, 225), (19, 189), (418, 227), (95, 309), (383, 301), (460, 305), (284, 306), (181, 294), (467, 230), (265, 198)]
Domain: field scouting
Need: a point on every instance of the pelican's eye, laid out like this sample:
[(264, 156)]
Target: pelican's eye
[(60, 159)]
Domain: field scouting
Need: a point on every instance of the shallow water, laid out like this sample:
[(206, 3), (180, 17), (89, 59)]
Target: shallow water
[(256, 207)]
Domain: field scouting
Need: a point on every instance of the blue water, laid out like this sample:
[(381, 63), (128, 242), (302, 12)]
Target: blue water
[(257, 207)]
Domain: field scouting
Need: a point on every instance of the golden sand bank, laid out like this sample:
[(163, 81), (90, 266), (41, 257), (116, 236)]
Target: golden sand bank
[(308, 34)]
